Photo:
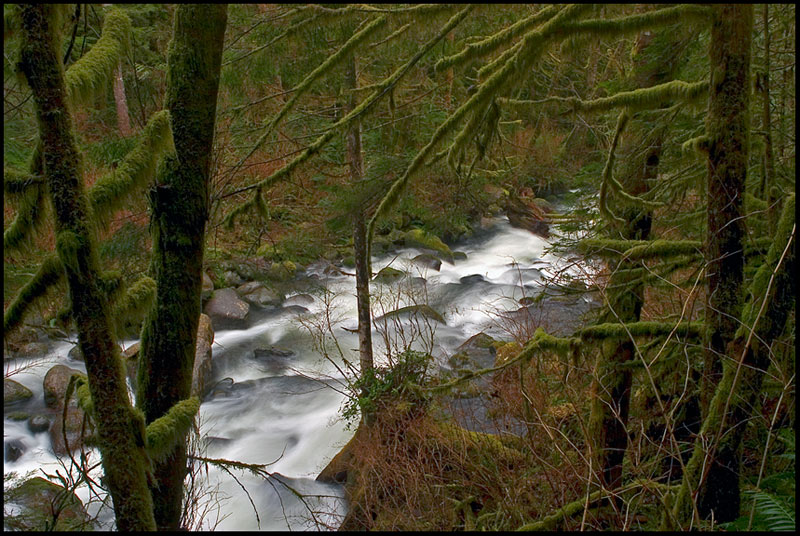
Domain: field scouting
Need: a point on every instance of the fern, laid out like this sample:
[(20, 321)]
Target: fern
[(775, 513)]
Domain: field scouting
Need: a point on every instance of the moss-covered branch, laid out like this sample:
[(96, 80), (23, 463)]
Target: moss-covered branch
[(132, 306), (112, 191), (639, 329), (501, 38), (169, 430), (89, 76), (639, 249), (48, 274), (16, 182), (639, 99), (381, 89), (529, 46), (324, 68)]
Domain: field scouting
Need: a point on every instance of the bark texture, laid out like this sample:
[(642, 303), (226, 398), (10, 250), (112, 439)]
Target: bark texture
[(727, 128), (179, 205), (120, 428)]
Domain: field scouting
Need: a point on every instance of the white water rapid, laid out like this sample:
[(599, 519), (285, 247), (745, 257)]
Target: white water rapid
[(275, 398)]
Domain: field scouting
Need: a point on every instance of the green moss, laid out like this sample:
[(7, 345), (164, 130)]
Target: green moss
[(90, 76), (49, 272), (419, 238), (166, 432)]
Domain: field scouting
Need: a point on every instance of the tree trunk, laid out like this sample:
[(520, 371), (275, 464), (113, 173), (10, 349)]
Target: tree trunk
[(120, 428), (769, 158), (360, 245), (611, 385), (727, 128), (713, 470), (179, 205), (123, 121)]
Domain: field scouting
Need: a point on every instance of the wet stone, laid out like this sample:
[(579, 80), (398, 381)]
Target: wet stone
[(13, 450), (39, 423)]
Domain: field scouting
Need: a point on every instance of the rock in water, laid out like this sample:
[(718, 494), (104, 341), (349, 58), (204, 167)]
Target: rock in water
[(14, 392), (226, 310)]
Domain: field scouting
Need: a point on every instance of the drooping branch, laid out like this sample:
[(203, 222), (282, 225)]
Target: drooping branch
[(112, 191), (90, 76)]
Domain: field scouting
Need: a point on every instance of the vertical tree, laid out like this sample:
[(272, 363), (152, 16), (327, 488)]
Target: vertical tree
[(360, 245), (179, 205), (120, 428), (727, 126)]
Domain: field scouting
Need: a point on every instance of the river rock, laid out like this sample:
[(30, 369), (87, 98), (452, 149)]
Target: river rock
[(55, 384), (39, 423), (418, 238), (471, 279), (226, 310), (421, 309), (388, 275), (256, 293), (75, 353), (299, 299), (274, 357), (428, 261), (476, 353), (13, 449), (527, 215), (208, 287), (32, 349), (14, 392), (231, 279), (38, 500), (203, 365)]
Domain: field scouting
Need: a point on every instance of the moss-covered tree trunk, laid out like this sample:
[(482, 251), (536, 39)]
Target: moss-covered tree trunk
[(766, 121), (179, 205), (712, 475), (611, 385), (727, 125), (711, 479), (120, 428), (360, 245)]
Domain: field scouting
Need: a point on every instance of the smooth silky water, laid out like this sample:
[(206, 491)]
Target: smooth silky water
[(285, 411)]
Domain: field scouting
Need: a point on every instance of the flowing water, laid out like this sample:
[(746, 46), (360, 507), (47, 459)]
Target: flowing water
[(278, 387)]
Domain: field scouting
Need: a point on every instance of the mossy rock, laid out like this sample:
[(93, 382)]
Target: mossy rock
[(388, 275), (14, 392), (282, 271), (39, 501), (18, 416), (349, 261), (418, 238)]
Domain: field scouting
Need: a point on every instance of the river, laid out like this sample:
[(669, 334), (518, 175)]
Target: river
[(279, 386)]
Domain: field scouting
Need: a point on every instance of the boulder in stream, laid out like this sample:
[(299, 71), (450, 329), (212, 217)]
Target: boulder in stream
[(427, 260), (55, 384), (227, 310), (201, 374), (44, 505), (256, 293), (14, 392), (418, 238)]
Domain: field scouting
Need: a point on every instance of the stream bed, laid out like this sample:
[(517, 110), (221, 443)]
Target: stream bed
[(278, 387)]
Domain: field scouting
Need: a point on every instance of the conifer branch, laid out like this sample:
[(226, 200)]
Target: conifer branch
[(382, 88), (313, 76)]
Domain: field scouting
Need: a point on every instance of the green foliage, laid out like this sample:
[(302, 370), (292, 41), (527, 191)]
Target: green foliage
[(379, 386)]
